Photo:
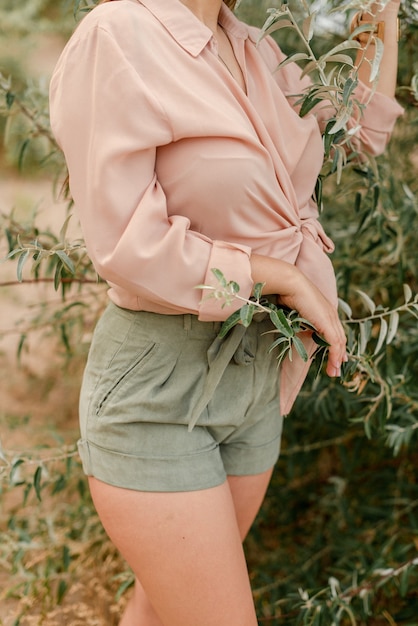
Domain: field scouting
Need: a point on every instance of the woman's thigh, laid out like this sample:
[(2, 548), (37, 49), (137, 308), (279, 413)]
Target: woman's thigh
[(186, 550), (248, 494)]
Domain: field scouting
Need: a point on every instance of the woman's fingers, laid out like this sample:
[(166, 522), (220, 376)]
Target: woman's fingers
[(322, 314), (337, 351), (296, 291)]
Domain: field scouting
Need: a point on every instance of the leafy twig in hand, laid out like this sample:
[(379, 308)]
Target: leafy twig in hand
[(288, 324)]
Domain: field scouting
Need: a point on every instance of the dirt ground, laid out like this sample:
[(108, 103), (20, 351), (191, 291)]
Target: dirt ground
[(38, 410), (39, 398)]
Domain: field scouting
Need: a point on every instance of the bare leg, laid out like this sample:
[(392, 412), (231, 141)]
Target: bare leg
[(185, 545), (248, 494), (139, 610)]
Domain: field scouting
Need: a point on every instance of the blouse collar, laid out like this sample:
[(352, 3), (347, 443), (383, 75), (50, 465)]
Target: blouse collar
[(189, 32)]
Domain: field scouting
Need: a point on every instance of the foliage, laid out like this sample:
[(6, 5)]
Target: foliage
[(336, 541), (287, 323), (42, 546)]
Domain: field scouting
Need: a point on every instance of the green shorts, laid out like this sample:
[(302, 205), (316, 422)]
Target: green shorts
[(166, 405)]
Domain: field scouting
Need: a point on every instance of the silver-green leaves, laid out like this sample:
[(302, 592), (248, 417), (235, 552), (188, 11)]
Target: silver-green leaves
[(288, 324), (373, 332), (333, 74)]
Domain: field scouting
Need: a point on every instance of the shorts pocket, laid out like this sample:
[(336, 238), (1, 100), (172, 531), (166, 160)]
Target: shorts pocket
[(115, 381)]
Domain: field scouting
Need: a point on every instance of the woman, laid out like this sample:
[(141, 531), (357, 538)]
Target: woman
[(185, 155)]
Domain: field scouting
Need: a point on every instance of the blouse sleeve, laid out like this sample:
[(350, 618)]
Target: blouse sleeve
[(109, 126), (374, 122)]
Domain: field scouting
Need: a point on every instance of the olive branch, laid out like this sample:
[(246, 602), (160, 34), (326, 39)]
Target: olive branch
[(334, 81), (378, 327), (288, 324)]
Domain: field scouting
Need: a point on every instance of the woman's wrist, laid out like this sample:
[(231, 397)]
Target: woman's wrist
[(383, 22), (279, 277)]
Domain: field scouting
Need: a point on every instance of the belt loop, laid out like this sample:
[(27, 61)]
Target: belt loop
[(187, 321)]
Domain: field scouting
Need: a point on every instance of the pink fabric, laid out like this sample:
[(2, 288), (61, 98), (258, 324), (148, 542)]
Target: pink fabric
[(175, 170)]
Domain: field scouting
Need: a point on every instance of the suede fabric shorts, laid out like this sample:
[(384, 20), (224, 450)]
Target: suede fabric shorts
[(166, 405)]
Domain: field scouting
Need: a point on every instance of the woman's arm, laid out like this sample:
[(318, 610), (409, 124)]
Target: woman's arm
[(109, 123), (382, 110), (389, 64)]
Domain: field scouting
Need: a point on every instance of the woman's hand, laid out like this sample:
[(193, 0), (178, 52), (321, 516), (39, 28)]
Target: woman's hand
[(377, 8), (296, 291), (313, 306), (388, 67)]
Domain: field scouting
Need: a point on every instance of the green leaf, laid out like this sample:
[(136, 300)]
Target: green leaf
[(318, 194), (58, 275), (22, 152), (376, 196), (229, 323), (285, 352), (64, 228), (308, 104), (308, 26), (382, 335), (20, 346), (341, 120), (124, 587), (76, 8), (274, 15), (219, 276), (300, 323), (404, 582), (37, 482), (328, 140), (367, 27), (66, 261), (345, 308), (341, 58), (377, 59), (258, 289), (345, 45), (280, 322), (393, 326), (61, 591), (278, 342), (281, 22), (357, 201), (309, 67), (320, 341), (368, 429), (367, 301), (365, 333), (300, 348), (293, 58), (21, 262), (10, 239), (342, 162), (349, 86), (65, 339), (37, 260), (246, 314), (14, 478), (407, 293), (10, 98)]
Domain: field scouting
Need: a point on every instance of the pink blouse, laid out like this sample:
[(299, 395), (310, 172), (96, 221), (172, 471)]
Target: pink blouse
[(175, 170)]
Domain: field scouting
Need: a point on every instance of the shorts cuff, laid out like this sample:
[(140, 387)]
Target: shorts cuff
[(161, 474), (245, 461)]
